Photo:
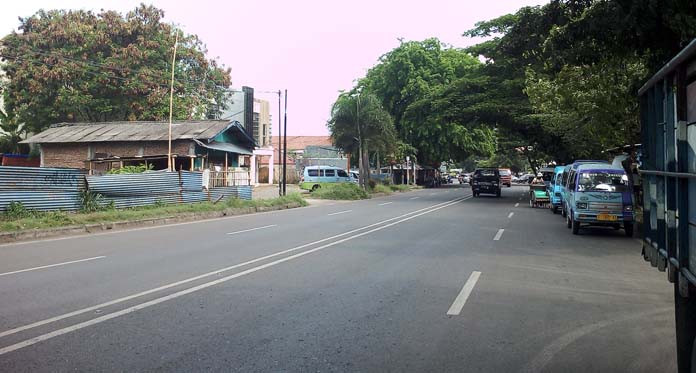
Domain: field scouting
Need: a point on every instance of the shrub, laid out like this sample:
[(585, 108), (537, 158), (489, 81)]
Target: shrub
[(91, 201), (16, 210), (399, 187), (371, 184), (131, 169), (381, 188), (340, 191)]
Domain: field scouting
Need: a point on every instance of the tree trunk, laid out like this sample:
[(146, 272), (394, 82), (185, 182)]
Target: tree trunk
[(366, 165)]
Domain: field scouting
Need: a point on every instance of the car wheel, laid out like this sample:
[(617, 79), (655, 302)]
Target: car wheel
[(628, 229), (575, 225), (568, 222), (498, 193), (554, 209), (616, 227)]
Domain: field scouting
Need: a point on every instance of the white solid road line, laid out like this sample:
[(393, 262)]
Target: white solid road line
[(510, 215), (340, 212), (414, 197), (459, 302), (254, 229), (178, 294), (499, 234), (216, 272), (385, 203), (517, 204), (51, 265)]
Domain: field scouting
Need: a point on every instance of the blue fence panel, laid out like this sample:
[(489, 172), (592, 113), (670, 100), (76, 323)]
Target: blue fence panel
[(42, 189)]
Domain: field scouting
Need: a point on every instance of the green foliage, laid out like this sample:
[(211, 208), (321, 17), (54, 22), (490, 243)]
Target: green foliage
[(67, 66), (11, 133), (17, 210), (138, 169), (407, 80), (381, 188), (22, 218), (399, 187), (563, 77), (340, 191), (91, 201)]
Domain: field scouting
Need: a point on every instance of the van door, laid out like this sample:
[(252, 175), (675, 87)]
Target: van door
[(342, 176), (330, 176)]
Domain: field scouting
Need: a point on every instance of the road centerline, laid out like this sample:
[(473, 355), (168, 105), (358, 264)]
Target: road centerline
[(253, 229), (414, 197), (510, 215), (517, 204), (385, 203), (51, 265), (499, 234), (340, 212), (456, 307)]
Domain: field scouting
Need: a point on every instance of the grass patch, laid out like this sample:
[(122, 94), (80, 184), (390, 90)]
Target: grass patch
[(381, 188), (399, 188), (340, 191), (18, 219)]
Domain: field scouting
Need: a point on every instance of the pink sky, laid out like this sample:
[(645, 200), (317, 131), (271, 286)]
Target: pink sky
[(313, 49)]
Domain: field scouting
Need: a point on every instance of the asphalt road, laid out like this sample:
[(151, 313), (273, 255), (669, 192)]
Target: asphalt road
[(431, 280)]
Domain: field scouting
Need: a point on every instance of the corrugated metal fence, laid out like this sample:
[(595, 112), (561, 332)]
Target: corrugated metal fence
[(41, 188), (131, 190), (60, 188)]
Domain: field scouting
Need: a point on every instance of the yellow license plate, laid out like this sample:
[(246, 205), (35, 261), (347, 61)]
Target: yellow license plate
[(606, 217)]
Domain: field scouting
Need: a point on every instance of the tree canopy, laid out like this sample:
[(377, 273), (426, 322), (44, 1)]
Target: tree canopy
[(80, 66)]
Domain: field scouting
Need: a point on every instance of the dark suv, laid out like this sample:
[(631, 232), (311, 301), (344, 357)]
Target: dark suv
[(486, 180)]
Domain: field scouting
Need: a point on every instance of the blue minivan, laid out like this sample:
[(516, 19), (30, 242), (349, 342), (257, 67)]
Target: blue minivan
[(313, 177), (554, 189), (564, 181), (599, 194)]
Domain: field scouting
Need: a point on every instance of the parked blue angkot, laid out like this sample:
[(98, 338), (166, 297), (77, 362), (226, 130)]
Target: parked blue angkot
[(599, 194)]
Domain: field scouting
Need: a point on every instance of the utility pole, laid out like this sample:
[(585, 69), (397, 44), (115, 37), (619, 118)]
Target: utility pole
[(361, 166), (171, 105), (280, 148), (285, 144)]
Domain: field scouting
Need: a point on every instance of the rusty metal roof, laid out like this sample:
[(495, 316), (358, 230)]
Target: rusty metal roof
[(130, 131)]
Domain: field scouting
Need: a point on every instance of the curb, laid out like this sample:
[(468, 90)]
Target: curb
[(33, 234)]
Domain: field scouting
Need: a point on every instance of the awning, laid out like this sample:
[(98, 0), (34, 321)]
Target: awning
[(225, 147)]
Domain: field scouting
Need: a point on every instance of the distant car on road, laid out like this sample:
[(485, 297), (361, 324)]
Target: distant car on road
[(506, 176), (526, 178), (464, 179), (486, 180)]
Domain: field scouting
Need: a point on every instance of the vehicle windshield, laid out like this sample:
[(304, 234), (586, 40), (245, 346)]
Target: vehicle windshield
[(485, 173), (505, 173), (602, 181)]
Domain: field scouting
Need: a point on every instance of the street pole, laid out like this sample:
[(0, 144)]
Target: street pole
[(361, 166), (285, 144), (171, 105), (280, 148)]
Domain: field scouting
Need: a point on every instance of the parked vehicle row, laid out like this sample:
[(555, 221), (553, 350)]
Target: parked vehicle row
[(591, 193)]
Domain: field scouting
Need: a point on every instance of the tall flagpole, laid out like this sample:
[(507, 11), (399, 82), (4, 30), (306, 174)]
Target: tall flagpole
[(171, 105)]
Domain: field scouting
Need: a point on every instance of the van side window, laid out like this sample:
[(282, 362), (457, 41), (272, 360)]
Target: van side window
[(564, 182), (341, 173), (321, 173), (329, 172), (559, 177), (312, 172), (571, 180)]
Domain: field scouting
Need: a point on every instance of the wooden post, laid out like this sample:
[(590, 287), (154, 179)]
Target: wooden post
[(224, 174)]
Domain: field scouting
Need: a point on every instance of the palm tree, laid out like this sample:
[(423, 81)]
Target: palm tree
[(360, 123)]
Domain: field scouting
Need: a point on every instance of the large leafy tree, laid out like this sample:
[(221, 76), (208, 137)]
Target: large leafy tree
[(359, 122), (408, 80), (81, 66)]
